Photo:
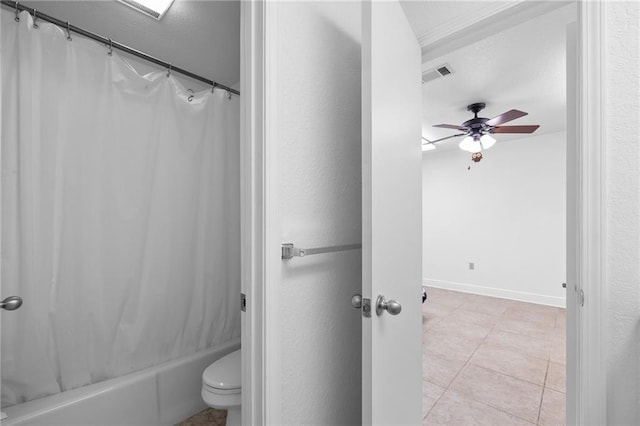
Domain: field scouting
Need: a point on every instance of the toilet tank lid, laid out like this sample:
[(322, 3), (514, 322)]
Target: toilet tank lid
[(224, 373)]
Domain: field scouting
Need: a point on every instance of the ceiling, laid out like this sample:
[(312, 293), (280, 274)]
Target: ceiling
[(520, 67), (210, 28), (433, 20)]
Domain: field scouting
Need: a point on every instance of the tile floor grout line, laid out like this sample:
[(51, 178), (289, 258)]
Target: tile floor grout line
[(544, 386), (510, 376)]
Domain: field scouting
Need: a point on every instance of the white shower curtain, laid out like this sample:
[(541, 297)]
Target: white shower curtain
[(120, 214)]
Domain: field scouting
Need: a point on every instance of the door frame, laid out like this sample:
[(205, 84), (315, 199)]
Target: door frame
[(589, 365), (260, 214), (260, 221)]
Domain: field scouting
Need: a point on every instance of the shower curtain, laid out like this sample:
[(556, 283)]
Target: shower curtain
[(120, 214)]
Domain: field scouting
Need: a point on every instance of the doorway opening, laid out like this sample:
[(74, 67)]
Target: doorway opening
[(494, 248)]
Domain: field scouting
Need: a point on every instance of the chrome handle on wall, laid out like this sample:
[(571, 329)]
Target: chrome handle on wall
[(391, 306), (11, 303)]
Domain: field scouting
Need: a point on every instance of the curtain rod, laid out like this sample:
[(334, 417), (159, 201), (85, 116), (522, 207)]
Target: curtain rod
[(107, 41)]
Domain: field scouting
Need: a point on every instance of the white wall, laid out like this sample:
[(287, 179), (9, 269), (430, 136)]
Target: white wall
[(622, 210), (507, 214), (318, 123)]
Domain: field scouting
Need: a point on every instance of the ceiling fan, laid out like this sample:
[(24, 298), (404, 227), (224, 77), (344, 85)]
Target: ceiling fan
[(478, 130)]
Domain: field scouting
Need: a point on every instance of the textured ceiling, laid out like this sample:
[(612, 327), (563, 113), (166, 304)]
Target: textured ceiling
[(522, 67), (432, 20), (200, 36)]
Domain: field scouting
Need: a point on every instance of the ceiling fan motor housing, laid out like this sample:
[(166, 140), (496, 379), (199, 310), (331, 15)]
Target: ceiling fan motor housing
[(476, 124)]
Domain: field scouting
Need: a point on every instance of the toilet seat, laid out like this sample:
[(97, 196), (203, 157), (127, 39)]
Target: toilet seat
[(223, 376), (232, 391)]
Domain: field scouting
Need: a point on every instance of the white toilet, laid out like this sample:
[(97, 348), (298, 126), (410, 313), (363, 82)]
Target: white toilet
[(221, 386)]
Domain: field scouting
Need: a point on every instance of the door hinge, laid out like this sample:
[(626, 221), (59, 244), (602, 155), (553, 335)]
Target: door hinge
[(581, 297), (243, 302)]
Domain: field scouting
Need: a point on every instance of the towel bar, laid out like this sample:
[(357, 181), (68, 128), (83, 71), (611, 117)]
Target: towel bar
[(289, 250)]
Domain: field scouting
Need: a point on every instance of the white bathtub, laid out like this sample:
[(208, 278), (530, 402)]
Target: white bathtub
[(161, 395)]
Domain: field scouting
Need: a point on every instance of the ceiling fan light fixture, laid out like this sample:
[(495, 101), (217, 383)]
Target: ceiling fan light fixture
[(470, 144), (487, 141)]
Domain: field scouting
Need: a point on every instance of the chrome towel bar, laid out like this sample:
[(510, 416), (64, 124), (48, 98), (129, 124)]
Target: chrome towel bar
[(289, 251)]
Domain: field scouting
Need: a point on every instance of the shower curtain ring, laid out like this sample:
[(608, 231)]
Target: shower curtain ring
[(110, 52), (190, 98), (169, 70), (229, 92), (68, 32), (35, 19), (17, 18)]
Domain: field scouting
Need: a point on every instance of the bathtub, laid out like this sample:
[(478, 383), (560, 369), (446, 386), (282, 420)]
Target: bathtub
[(160, 395)]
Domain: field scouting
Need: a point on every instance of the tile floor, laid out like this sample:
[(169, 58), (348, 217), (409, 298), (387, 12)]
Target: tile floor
[(208, 417), (490, 361)]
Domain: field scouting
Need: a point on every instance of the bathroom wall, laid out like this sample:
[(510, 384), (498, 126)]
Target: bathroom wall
[(622, 210), (507, 215), (318, 85)]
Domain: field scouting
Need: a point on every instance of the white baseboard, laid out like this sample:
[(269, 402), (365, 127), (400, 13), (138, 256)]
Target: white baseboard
[(521, 296)]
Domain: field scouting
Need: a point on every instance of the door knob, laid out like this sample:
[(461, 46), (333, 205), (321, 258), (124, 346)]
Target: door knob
[(356, 301), (11, 303), (391, 306)]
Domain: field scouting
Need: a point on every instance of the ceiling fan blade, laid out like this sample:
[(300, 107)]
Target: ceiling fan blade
[(448, 137), (451, 126), (515, 129), (505, 117)]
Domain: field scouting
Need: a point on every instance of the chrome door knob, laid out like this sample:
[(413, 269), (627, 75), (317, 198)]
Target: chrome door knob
[(391, 306), (356, 301), (11, 303)]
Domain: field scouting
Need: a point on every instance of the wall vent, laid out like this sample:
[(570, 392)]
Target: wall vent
[(437, 72), (443, 71)]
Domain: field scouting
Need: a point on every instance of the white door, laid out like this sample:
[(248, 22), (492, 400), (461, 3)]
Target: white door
[(391, 216)]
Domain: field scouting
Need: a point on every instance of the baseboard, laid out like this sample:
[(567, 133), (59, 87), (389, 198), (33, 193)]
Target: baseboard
[(521, 296)]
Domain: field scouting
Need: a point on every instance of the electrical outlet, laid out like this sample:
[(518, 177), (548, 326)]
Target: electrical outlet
[(472, 266)]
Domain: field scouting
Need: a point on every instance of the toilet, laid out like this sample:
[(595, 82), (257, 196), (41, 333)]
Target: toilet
[(221, 386)]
